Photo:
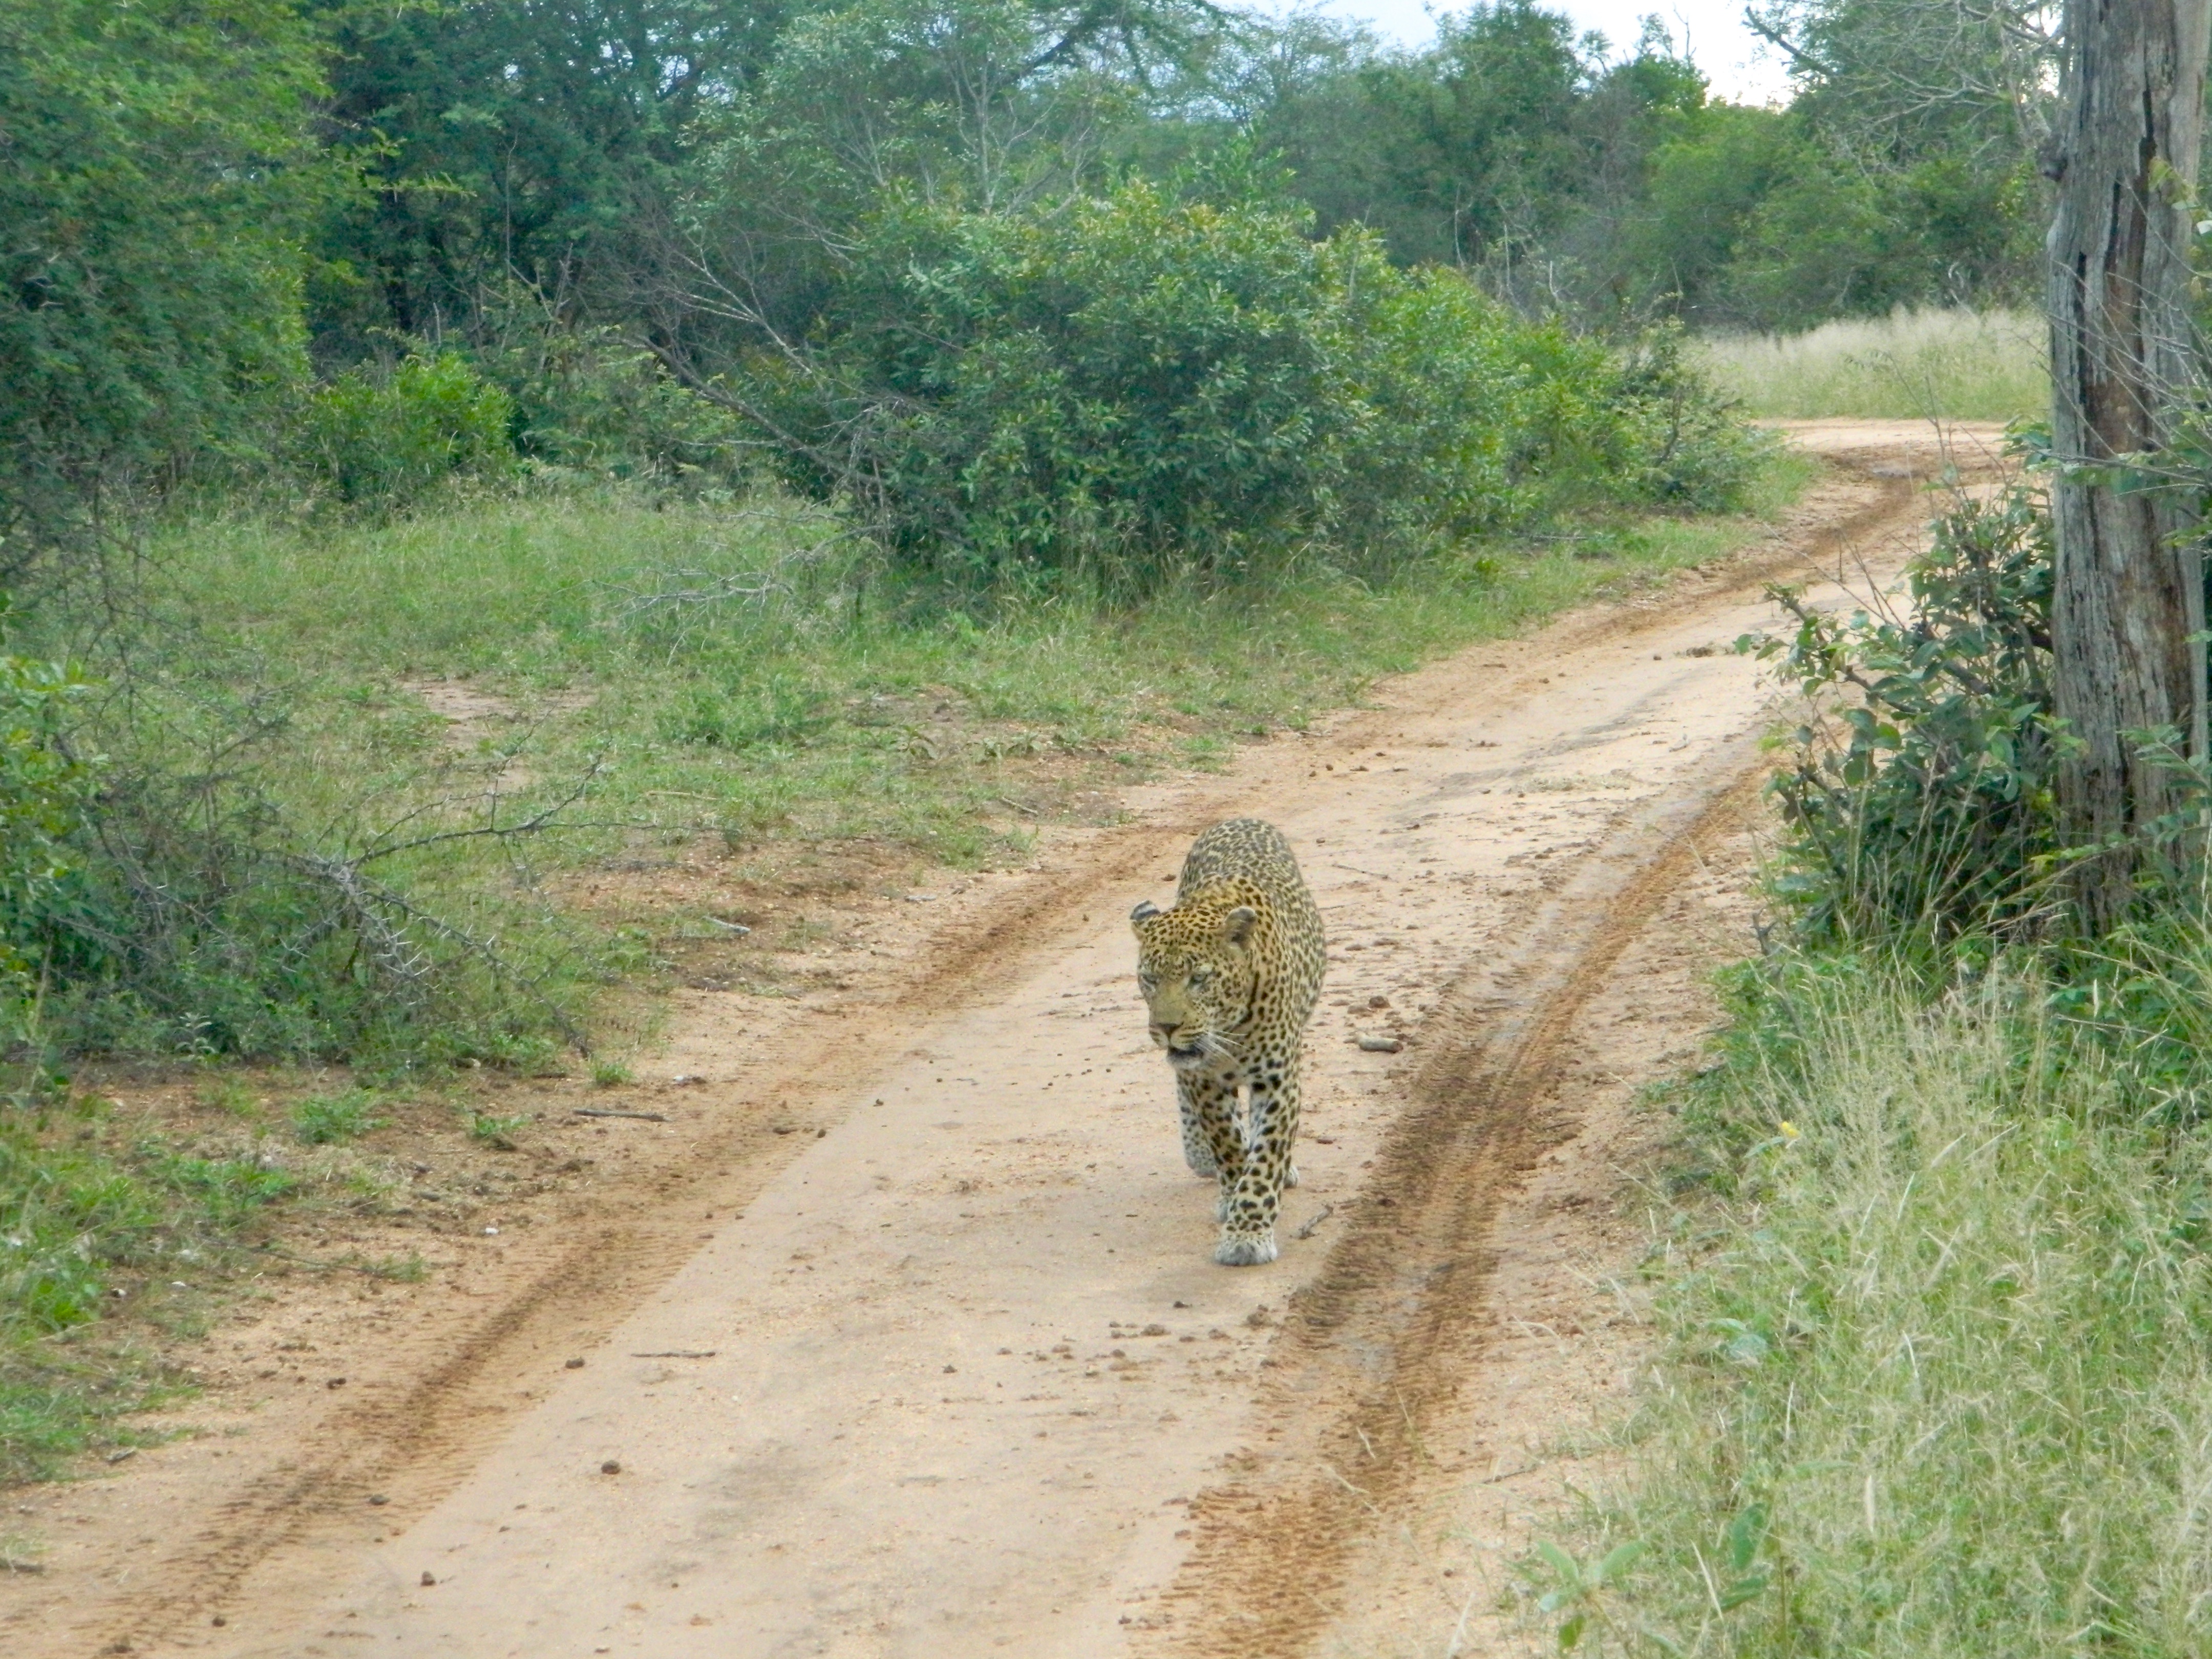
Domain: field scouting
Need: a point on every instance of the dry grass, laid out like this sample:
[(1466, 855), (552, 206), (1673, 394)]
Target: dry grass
[(1910, 365)]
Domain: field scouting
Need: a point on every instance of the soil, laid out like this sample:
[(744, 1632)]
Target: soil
[(887, 1323)]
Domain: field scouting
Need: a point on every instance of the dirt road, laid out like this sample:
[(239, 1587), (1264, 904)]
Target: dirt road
[(947, 1368)]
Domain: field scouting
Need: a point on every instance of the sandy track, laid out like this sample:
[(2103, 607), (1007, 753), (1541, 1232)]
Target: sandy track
[(961, 1377)]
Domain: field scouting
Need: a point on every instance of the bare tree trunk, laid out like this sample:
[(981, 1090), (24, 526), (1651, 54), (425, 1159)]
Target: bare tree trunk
[(2123, 361)]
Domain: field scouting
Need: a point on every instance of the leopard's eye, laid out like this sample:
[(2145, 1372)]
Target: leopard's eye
[(1201, 975)]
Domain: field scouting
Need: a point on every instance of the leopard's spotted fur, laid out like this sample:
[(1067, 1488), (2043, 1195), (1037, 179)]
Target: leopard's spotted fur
[(1229, 977)]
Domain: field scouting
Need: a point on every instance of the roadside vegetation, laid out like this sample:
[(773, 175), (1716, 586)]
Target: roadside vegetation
[(1932, 1301), (1912, 365), (1935, 1352)]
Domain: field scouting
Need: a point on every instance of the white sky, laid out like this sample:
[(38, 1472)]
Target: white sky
[(1741, 67)]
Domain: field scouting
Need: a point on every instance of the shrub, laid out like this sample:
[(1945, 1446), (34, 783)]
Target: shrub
[(160, 172), (1926, 808), (586, 402), (1130, 388), (382, 439)]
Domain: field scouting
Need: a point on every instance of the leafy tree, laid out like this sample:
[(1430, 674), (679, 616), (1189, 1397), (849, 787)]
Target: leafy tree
[(513, 139), (158, 170), (1696, 215), (983, 105), (1897, 81)]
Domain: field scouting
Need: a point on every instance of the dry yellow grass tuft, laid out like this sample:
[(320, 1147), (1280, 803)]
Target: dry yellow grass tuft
[(1910, 365)]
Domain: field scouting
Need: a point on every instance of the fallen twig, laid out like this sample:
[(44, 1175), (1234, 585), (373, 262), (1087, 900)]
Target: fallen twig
[(603, 1111), (1307, 1231), (678, 1354), (364, 898)]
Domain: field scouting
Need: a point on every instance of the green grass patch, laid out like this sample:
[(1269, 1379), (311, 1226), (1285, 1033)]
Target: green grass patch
[(1937, 1372), (1912, 365), (495, 1130), (94, 1243), (334, 1120)]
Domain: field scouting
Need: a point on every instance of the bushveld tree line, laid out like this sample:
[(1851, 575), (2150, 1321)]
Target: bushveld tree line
[(213, 207)]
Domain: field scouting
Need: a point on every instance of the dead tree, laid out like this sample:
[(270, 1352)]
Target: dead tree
[(2123, 362)]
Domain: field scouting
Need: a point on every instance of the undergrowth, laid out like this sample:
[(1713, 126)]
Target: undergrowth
[(1936, 1367)]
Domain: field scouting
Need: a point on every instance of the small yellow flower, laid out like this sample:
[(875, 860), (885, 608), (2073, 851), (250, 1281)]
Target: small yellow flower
[(1789, 1129)]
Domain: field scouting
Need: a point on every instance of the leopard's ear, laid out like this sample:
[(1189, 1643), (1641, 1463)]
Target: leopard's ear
[(1145, 912), (1237, 925)]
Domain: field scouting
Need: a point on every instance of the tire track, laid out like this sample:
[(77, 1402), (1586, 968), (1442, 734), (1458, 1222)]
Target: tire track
[(1379, 1336)]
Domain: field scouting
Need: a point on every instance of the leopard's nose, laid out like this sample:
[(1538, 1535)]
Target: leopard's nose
[(1162, 1034)]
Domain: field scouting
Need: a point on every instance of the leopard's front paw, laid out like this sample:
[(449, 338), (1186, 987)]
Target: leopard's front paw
[(1245, 1249), (1202, 1163)]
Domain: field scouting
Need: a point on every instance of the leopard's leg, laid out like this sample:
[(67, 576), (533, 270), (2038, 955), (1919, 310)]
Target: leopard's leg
[(1197, 1152), (1290, 1175), (1247, 1221), (1212, 1095)]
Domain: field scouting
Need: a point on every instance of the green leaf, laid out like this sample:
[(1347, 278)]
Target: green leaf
[(1618, 1558), (1559, 1562), (1742, 1590), (1744, 1535), (1571, 1632)]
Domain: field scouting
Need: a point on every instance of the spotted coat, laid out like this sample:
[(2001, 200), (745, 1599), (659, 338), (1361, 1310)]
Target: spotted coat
[(1229, 977)]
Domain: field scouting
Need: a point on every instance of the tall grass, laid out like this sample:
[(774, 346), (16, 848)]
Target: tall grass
[(1953, 365), (1937, 1374)]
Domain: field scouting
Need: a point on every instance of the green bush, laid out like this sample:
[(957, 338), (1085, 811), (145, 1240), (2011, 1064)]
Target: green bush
[(160, 167), (1924, 807), (586, 402), (44, 788), (382, 439), (1132, 388)]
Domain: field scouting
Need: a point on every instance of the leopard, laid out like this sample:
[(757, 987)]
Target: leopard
[(1230, 977)]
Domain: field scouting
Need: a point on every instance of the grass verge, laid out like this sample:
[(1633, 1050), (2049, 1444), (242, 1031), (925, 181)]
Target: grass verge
[(103, 1250), (1936, 1372), (1912, 365)]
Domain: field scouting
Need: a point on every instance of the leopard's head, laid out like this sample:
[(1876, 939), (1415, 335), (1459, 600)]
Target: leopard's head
[(1197, 967)]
